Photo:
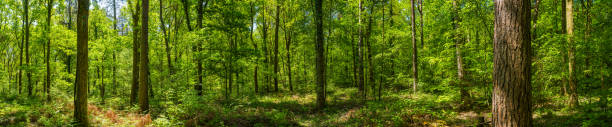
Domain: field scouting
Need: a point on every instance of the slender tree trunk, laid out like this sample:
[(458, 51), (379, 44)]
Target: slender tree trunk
[(360, 50), (421, 16), (277, 25), (21, 58), (165, 34), (320, 66), (287, 46), (569, 25), (198, 48), (255, 79), (114, 55), (27, 46), (143, 97), (265, 50), (512, 64), (458, 38), (80, 102), (136, 54), (368, 44), (415, 74), (48, 76)]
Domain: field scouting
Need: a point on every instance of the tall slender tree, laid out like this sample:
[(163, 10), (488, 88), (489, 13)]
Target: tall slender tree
[(415, 73), (165, 34), (135, 50), (143, 96), (48, 76), (80, 102), (276, 26), (569, 26), (320, 57), (26, 6), (512, 64)]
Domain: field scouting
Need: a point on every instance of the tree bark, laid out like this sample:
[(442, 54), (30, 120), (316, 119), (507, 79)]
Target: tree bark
[(27, 46), (458, 38), (136, 54), (255, 79), (48, 76), (143, 97), (198, 86), (512, 64), (320, 57), (276, 46), (360, 52), (415, 73), (80, 102), (569, 25)]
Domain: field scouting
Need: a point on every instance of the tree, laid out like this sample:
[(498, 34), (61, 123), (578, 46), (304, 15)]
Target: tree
[(512, 64), (360, 54), (27, 45), (276, 25), (320, 57), (143, 96), (458, 38), (415, 73), (163, 28), (136, 54), (569, 26), (80, 102), (48, 76)]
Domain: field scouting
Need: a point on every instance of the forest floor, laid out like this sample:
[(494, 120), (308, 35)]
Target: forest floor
[(284, 109)]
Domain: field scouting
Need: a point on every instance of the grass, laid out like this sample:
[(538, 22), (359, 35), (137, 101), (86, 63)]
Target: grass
[(284, 109)]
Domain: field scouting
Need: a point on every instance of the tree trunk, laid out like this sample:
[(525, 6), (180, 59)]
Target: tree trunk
[(48, 76), (415, 73), (569, 25), (198, 86), (458, 38), (320, 57), (80, 102), (277, 24), (143, 97), (21, 58), (255, 79), (360, 50), (114, 55), (27, 46), (165, 34), (136, 54), (421, 16), (287, 46), (512, 64), (368, 44)]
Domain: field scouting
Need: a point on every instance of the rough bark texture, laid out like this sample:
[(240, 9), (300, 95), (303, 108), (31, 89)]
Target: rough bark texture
[(415, 71), (569, 26), (143, 97), (512, 64), (136, 54), (320, 57), (80, 102)]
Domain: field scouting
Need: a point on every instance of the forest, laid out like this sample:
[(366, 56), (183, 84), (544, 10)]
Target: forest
[(268, 63)]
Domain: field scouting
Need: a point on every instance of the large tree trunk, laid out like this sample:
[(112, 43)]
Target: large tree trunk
[(277, 24), (143, 96), (136, 54), (48, 76), (512, 64), (80, 102), (569, 25), (320, 57), (368, 45), (198, 86), (415, 73)]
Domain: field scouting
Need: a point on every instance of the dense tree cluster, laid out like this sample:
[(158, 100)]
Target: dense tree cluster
[(510, 59)]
